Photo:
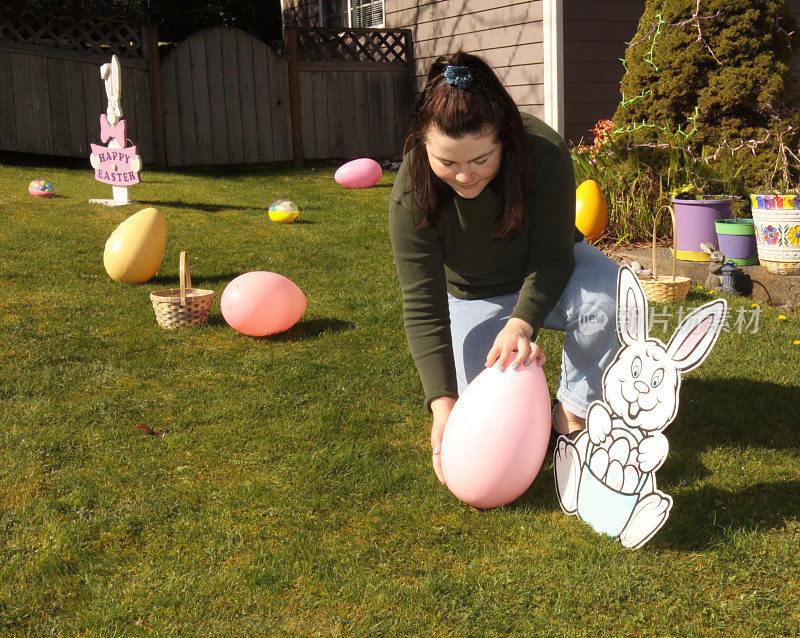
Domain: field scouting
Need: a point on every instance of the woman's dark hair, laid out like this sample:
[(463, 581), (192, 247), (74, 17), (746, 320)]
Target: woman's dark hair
[(483, 105)]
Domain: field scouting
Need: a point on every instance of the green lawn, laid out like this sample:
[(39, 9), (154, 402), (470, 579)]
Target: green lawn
[(292, 492)]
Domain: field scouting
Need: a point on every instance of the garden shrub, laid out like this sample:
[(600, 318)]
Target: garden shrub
[(711, 77)]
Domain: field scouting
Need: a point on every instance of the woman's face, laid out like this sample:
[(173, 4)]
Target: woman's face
[(466, 164)]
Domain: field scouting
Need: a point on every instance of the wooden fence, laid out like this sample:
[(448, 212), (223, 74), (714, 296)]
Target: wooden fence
[(221, 96), (52, 95), (354, 89)]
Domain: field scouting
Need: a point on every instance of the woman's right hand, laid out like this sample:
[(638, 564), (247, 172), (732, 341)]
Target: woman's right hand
[(441, 409)]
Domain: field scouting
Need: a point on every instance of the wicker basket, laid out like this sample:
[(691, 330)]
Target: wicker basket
[(665, 288), (184, 306)]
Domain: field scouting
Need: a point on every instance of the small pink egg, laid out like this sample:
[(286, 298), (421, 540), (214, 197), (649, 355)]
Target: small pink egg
[(360, 173)]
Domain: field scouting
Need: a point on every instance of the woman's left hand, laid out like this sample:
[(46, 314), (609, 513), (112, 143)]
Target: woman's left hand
[(515, 338)]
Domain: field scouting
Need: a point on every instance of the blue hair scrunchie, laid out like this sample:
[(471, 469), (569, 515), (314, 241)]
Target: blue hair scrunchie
[(459, 76)]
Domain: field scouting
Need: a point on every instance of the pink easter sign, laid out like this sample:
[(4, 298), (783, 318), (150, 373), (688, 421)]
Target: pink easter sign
[(115, 165)]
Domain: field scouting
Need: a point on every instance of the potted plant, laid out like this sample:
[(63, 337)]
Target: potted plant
[(776, 220), (736, 239), (695, 218)]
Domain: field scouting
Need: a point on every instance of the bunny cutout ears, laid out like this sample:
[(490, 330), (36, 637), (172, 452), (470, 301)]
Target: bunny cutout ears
[(110, 74), (606, 476)]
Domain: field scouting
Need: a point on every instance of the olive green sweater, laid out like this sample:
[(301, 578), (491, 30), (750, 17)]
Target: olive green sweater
[(461, 257)]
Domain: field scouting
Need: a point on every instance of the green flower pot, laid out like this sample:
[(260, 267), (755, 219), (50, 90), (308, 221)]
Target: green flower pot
[(737, 241)]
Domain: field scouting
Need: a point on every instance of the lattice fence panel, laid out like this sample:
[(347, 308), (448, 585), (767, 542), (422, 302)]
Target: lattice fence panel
[(353, 45), (62, 31)]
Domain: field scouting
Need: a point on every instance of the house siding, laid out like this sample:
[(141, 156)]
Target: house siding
[(508, 36), (596, 33)]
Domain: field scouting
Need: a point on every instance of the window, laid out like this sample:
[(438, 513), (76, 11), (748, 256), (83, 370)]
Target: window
[(367, 14)]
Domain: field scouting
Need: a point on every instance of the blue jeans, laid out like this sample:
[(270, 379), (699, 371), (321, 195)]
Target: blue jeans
[(586, 313)]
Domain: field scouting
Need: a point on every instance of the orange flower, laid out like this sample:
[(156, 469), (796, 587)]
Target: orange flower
[(602, 132)]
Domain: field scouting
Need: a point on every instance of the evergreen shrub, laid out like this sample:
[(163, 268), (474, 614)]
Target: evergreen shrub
[(712, 78)]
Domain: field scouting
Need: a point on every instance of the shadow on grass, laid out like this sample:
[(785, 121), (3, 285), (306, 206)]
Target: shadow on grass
[(43, 161), (703, 518), (312, 328), (302, 331), (205, 207), (171, 281), (736, 412), (268, 169)]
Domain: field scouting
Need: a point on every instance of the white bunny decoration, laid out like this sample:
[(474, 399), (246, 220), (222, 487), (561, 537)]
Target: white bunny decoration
[(117, 164), (607, 474), (110, 74)]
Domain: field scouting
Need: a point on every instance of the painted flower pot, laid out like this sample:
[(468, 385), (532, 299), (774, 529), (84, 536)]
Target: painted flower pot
[(777, 227), (736, 239), (694, 225)]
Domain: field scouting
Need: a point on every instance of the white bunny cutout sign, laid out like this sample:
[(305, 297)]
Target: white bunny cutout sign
[(116, 164), (606, 475)]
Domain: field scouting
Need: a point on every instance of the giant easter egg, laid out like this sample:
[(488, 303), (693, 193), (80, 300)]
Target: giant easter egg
[(262, 303), (591, 209), (282, 210), (41, 188), (360, 173), (135, 249), (496, 436)]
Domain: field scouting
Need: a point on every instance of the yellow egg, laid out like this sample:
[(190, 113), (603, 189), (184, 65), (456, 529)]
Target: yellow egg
[(591, 210), (282, 210), (287, 217), (135, 249)]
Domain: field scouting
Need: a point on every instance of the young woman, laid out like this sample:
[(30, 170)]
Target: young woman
[(482, 223)]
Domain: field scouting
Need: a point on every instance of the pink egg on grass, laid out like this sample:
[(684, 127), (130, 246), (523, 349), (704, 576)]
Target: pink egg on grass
[(41, 188), (497, 436), (360, 173), (262, 303)]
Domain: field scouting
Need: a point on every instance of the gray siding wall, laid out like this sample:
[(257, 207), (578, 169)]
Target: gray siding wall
[(506, 33), (596, 33)]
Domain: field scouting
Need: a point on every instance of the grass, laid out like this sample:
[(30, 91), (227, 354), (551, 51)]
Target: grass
[(292, 492)]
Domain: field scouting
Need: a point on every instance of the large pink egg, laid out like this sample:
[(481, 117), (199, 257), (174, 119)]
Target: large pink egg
[(496, 436), (360, 173), (262, 303)]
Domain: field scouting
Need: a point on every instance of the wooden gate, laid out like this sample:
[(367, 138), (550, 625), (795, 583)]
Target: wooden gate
[(226, 100)]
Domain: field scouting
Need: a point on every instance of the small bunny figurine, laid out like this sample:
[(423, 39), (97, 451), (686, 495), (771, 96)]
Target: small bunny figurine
[(607, 474), (714, 278)]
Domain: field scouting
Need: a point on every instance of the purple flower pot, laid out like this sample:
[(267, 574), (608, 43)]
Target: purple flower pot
[(737, 241), (694, 225)]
